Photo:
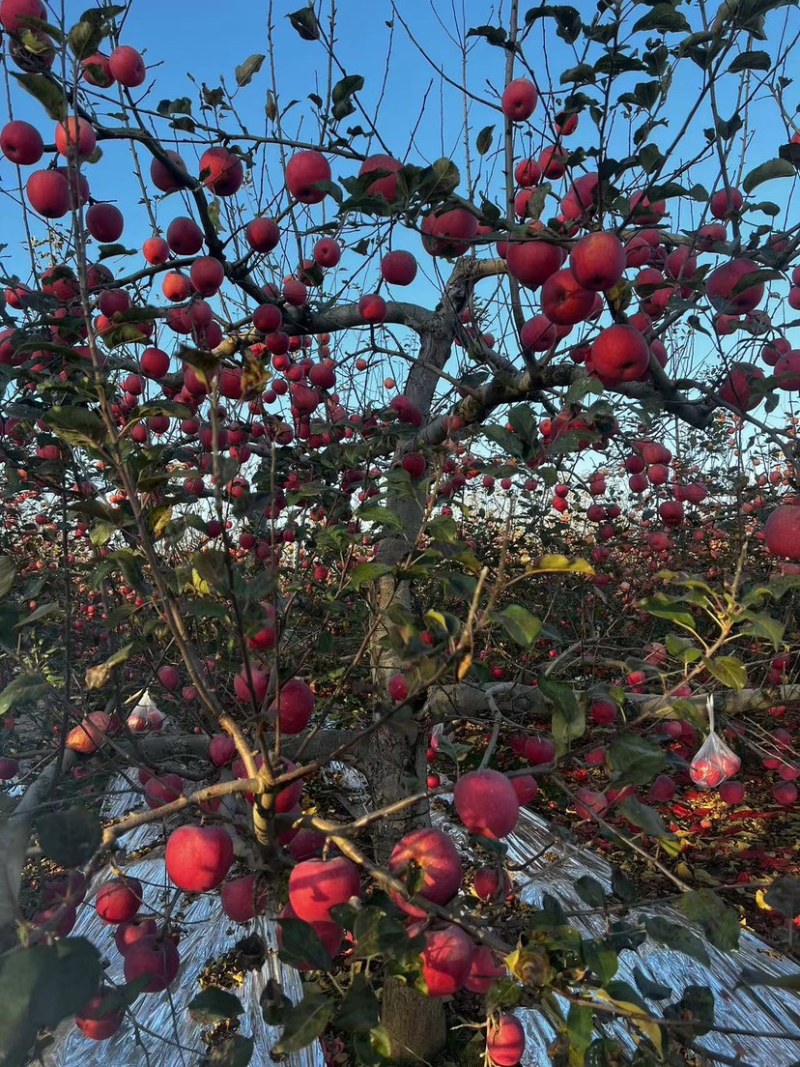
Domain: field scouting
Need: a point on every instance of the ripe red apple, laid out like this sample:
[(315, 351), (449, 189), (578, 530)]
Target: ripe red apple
[(303, 172), (327, 252), (137, 929), (372, 308), (564, 301), (539, 751), (598, 261), (100, 1017), (491, 883), (782, 531), (725, 202), (385, 187), (15, 13), (253, 688), (724, 287), (519, 99), (316, 886), (739, 389), (532, 262), (449, 233), (221, 750), (198, 857), (96, 70), (155, 959), (9, 768), (589, 802), (155, 364), (486, 803), (48, 193), (75, 138), (164, 179), (619, 354), (433, 854), (663, 789), (207, 274), (526, 787), (483, 971), (244, 898), (184, 236), (21, 143), (397, 688), (731, 792), (262, 235), (127, 66), (221, 171), (446, 960), (293, 706), (90, 734), (399, 268), (505, 1041), (785, 793), (119, 900), (163, 789), (155, 250), (105, 223)]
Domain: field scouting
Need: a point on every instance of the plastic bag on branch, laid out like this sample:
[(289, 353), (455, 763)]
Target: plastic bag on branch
[(145, 715), (714, 761)]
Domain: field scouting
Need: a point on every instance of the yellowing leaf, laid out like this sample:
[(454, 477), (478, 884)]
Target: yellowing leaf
[(640, 1019)]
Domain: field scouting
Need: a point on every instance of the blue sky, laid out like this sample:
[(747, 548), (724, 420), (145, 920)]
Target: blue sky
[(201, 42)]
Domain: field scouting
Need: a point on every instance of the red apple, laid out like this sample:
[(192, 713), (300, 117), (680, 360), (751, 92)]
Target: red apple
[(154, 959), (486, 803), (505, 1041), (198, 857), (101, 1017), (316, 886), (519, 99), (598, 261), (119, 900), (21, 143), (446, 960), (243, 898), (433, 854), (398, 268), (303, 172), (127, 66)]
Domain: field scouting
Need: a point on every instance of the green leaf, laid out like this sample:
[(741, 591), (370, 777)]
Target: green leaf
[(100, 675), (664, 19), (484, 141), (662, 607), (210, 565), (602, 958), (382, 516), (753, 976), (365, 573), (751, 60), (40, 986), (646, 818), (569, 719), (213, 1006), (648, 987), (520, 625), (728, 670), (77, 426), (41, 613), (234, 1050), (635, 760), (305, 22), (495, 35), (580, 1027), (301, 945), (359, 1010), (676, 937), (342, 95), (784, 896), (24, 689), (590, 891), (568, 20), (246, 71), (70, 837), (304, 1022), (773, 168), (720, 923), (84, 38), (8, 573), (763, 625), (47, 92)]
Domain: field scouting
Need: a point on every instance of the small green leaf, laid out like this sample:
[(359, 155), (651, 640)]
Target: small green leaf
[(663, 18), (728, 670), (305, 22), (235, 1050), (676, 937), (635, 760), (24, 689), (301, 945), (751, 60), (648, 987), (784, 896), (484, 141), (70, 837), (720, 923), (590, 891), (773, 168), (246, 71), (365, 573), (672, 610), (46, 91), (520, 625), (304, 1022), (213, 1006), (646, 818), (569, 719), (359, 1010), (41, 613)]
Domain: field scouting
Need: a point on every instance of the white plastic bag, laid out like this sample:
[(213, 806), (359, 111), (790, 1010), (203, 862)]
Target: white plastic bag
[(714, 761)]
